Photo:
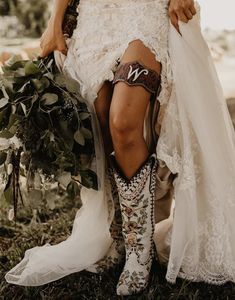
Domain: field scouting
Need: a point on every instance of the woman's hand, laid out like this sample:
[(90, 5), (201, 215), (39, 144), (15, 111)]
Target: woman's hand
[(52, 39), (182, 10)]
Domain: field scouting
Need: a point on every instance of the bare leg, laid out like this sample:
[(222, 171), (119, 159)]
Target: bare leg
[(127, 113)]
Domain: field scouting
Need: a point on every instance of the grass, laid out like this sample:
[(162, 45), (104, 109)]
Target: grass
[(54, 226)]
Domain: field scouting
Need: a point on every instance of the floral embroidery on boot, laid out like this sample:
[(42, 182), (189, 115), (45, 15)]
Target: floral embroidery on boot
[(136, 198)]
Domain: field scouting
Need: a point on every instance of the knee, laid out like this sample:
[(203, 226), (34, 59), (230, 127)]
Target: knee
[(123, 131), (138, 51)]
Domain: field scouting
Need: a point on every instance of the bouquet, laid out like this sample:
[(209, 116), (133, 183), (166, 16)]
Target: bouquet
[(47, 126)]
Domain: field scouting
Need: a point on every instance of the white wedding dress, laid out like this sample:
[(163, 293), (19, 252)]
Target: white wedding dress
[(196, 141)]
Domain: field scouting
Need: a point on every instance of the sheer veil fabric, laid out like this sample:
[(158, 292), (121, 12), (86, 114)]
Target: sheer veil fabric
[(201, 139), (196, 142)]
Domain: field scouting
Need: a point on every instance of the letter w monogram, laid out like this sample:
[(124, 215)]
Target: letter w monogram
[(136, 73)]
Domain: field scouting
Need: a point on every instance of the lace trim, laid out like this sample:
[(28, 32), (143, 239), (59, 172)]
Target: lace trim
[(108, 46), (130, 190)]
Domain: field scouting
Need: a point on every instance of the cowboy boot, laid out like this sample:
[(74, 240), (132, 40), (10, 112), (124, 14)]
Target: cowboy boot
[(136, 198), (116, 252)]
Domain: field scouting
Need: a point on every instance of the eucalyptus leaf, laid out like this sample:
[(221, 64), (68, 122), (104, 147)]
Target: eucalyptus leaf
[(13, 129), (30, 68), (24, 87), (86, 133), (84, 115), (60, 80), (8, 194), (12, 120), (14, 64), (6, 134), (49, 98), (7, 89), (19, 72), (49, 75), (12, 60), (45, 82), (64, 179), (72, 85), (3, 102), (4, 92), (79, 138), (23, 108), (41, 84)]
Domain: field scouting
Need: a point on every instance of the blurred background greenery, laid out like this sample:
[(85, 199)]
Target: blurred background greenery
[(29, 16), (21, 24)]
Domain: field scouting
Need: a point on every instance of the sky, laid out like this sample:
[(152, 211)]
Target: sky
[(217, 14)]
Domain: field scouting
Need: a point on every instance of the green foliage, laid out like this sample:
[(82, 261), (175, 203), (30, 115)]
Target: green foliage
[(43, 109)]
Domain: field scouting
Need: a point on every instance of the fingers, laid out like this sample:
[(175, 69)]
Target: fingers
[(192, 9), (174, 21), (188, 14), (181, 10), (46, 49), (44, 52), (182, 17), (62, 47)]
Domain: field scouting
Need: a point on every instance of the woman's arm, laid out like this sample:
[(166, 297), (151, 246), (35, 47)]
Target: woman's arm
[(53, 38), (59, 8)]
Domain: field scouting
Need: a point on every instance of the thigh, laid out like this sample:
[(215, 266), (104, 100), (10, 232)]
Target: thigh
[(128, 107), (136, 50), (129, 103)]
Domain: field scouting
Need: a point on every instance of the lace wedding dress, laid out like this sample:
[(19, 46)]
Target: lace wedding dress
[(196, 142)]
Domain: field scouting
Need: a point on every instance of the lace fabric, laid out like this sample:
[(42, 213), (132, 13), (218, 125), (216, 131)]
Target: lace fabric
[(202, 241), (111, 26)]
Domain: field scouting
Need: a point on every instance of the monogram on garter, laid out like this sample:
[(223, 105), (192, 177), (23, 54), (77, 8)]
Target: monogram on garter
[(136, 73)]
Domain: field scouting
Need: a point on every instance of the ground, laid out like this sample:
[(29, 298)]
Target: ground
[(53, 226)]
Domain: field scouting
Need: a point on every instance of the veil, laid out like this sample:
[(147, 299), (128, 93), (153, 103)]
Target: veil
[(198, 142)]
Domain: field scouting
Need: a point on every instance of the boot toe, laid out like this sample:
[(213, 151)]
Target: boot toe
[(132, 283)]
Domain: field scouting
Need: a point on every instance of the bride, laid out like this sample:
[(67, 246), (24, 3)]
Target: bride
[(163, 133)]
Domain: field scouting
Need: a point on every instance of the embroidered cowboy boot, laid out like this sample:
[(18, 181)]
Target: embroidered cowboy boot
[(136, 198), (116, 252)]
